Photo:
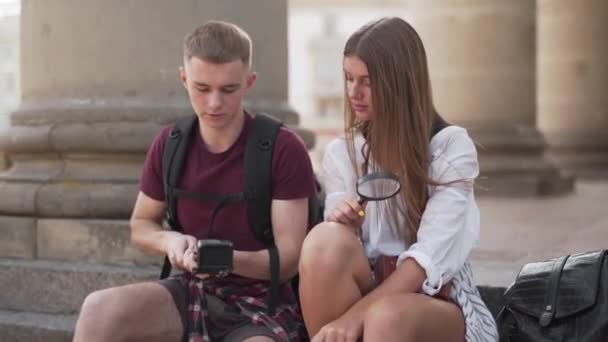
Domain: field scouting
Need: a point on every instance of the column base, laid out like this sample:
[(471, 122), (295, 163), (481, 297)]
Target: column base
[(512, 164), (584, 156)]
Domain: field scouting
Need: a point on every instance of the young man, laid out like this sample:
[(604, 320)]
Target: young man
[(217, 75)]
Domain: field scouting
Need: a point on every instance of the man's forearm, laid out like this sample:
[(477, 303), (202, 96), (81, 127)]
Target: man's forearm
[(149, 236), (256, 265)]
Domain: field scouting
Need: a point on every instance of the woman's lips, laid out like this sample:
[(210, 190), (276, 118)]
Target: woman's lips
[(360, 108)]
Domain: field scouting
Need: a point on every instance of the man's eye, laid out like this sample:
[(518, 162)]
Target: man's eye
[(202, 90), (229, 90)]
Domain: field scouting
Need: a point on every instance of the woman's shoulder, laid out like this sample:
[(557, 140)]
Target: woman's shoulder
[(338, 146), (452, 140)]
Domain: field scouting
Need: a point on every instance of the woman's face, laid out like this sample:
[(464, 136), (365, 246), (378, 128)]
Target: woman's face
[(358, 87)]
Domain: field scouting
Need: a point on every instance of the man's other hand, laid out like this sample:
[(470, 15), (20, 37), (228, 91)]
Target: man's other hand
[(181, 250)]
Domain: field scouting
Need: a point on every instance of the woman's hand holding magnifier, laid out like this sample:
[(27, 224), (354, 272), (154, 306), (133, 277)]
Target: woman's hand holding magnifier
[(376, 186), (347, 212)]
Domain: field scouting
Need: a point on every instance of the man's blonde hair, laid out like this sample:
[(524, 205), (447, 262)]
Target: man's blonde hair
[(218, 42)]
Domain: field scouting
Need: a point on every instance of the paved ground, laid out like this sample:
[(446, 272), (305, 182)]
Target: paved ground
[(516, 231)]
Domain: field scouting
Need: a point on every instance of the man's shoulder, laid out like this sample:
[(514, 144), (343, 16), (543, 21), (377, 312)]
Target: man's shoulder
[(288, 138), (157, 146), (161, 136)]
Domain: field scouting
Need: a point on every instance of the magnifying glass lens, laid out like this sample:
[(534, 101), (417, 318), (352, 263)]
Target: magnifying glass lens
[(379, 189), (377, 186)]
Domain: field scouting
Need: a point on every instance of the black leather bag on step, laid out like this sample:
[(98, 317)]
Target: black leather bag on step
[(564, 299)]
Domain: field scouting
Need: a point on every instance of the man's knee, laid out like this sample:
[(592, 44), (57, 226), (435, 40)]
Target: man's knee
[(97, 316), (327, 247), (260, 339), (125, 312)]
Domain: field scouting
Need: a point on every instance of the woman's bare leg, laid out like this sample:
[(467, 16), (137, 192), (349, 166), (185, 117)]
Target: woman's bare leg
[(334, 274), (413, 317)]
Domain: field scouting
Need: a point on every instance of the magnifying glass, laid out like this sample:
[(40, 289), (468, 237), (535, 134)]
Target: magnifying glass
[(377, 186)]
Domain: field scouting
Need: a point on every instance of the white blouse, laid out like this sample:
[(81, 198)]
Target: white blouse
[(449, 228)]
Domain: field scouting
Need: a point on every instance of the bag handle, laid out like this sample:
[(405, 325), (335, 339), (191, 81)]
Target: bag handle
[(550, 306)]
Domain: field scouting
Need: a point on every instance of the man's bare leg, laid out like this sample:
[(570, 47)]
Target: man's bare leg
[(138, 312)]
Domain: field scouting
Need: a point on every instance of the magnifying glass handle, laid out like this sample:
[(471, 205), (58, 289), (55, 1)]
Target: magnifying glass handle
[(361, 201)]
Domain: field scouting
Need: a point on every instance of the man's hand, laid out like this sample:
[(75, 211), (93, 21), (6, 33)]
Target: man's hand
[(181, 250)]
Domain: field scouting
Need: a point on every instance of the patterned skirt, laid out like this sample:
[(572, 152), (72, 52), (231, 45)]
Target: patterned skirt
[(244, 298), (480, 326)]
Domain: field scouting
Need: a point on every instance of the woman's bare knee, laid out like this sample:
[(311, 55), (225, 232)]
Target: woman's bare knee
[(327, 246), (413, 317), (389, 318)]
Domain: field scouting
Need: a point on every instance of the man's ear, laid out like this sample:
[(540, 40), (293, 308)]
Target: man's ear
[(250, 80), (182, 77)]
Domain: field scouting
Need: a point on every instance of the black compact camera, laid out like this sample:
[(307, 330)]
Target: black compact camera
[(214, 257)]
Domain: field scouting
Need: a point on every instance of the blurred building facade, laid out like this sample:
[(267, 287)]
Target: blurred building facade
[(9, 68), (526, 78), (9, 65)]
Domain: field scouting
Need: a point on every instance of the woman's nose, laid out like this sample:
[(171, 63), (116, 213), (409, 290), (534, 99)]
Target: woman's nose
[(355, 92)]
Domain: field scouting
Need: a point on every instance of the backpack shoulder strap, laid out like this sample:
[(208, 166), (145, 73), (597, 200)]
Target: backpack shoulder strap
[(258, 174), (174, 156), (258, 183)]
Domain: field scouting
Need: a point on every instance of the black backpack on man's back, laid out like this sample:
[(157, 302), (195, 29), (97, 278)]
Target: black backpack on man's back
[(257, 192)]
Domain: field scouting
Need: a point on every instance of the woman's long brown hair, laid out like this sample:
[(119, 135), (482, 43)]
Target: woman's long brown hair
[(398, 136)]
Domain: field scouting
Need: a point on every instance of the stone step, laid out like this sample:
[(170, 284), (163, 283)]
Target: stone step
[(27, 326), (35, 327), (60, 287), (40, 299), (73, 199), (82, 240)]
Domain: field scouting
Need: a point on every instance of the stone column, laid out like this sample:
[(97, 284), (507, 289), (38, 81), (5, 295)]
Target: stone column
[(482, 64), (99, 79), (573, 84)]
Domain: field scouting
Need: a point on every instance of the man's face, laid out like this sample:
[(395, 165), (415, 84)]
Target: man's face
[(217, 90)]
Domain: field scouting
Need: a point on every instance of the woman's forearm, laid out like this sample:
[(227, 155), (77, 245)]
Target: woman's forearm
[(407, 278)]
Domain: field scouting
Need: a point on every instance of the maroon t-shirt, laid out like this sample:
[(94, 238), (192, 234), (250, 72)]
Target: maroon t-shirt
[(223, 173)]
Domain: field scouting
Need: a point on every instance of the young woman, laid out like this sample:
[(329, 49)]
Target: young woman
[(347, 286)]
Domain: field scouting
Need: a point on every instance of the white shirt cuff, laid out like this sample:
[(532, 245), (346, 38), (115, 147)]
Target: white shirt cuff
[(434, 281)]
